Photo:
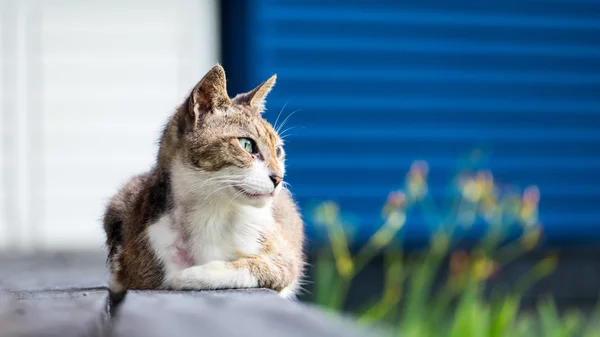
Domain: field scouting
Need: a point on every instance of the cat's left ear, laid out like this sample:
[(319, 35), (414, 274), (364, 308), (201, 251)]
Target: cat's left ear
[(257, 97)]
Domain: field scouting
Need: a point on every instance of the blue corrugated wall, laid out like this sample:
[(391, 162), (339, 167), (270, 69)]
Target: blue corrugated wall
[(382, 83)]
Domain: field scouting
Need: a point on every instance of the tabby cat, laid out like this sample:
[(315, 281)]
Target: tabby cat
[(212, 213)]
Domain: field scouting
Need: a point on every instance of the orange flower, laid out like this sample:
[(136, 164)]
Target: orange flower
[(531, 195), (419, 167), (396, 199)]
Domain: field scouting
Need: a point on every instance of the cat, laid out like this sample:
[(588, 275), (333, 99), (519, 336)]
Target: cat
[(212, 213)]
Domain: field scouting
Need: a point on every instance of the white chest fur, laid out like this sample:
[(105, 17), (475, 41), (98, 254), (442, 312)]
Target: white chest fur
[(214, 234)]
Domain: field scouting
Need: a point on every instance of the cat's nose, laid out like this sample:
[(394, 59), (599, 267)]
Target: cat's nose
[(276, 179)]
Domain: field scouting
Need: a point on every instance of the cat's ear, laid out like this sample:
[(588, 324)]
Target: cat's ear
[(208, 96), (257, 97), (210, 93)]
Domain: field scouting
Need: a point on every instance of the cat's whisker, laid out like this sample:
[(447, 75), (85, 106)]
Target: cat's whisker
[(203, 184), (286, 136), (230, 176), (219, 189), (193, 177), (215, 191), (278, 115), (286, 119), (216, 187), (196, 187), (240, 192), (282, 134), (216, 180)]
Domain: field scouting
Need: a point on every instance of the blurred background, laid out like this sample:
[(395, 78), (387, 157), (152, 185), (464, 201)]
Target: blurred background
[(368, 86)]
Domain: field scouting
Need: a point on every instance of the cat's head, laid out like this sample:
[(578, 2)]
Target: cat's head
[(221, 149)]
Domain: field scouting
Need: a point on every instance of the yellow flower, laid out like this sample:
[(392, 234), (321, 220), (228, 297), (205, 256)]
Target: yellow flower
[(417, 180), (484, 268), (472, 190), (396, 220), (490, 209), (528, 213), (417, 190), (485, 179)]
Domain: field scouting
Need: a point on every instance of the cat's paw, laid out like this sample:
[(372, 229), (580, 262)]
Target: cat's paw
[(214, 275)]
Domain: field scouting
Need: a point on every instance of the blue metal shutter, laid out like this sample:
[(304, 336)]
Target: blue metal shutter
[(381, 83)]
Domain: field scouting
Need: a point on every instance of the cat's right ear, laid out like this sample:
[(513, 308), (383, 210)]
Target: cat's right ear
[(211, 92), (209, 95)]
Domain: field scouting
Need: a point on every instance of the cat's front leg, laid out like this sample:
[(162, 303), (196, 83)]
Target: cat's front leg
[(249, 272), (213, 275)]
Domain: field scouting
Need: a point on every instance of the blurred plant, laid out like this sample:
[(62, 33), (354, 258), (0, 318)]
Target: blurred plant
[(412, 303)]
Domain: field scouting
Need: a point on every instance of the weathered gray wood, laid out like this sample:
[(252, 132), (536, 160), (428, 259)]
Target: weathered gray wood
[(53, 271), (246, 313), (64, 295), (53, 314)]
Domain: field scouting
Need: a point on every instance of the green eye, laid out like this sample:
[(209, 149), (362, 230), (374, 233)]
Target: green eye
[(247, 144)]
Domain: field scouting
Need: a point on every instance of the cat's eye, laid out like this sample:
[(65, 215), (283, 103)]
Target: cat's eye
[(248, 145), (279, 151)]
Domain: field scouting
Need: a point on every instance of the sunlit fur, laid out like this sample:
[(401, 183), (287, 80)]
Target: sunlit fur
[(209, 215)]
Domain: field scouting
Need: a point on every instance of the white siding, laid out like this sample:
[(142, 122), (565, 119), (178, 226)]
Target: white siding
[(110, 73), (3, 229)]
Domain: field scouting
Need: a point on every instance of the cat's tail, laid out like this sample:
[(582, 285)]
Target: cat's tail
[(113, 227)]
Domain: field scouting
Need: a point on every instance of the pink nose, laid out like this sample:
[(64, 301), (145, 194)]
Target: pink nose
[(276, 179)]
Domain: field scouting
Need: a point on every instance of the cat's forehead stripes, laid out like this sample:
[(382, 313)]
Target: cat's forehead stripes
[(257, 126), (270, 135), (265, 133), (259, 132)]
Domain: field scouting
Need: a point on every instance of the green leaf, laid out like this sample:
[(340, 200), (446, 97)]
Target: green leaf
[(325, 279), (504, 317), (524, 326), (549, 318), (470, 316), (572, 324)]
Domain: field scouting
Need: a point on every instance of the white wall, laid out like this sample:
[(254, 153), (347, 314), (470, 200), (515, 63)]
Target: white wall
[(96, 81), (3, 229)]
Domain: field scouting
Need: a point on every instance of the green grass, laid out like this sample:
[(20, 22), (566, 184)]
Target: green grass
[(411, 303)]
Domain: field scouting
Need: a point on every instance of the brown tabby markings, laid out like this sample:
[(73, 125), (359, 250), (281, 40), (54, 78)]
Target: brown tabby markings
[(203, 134)]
